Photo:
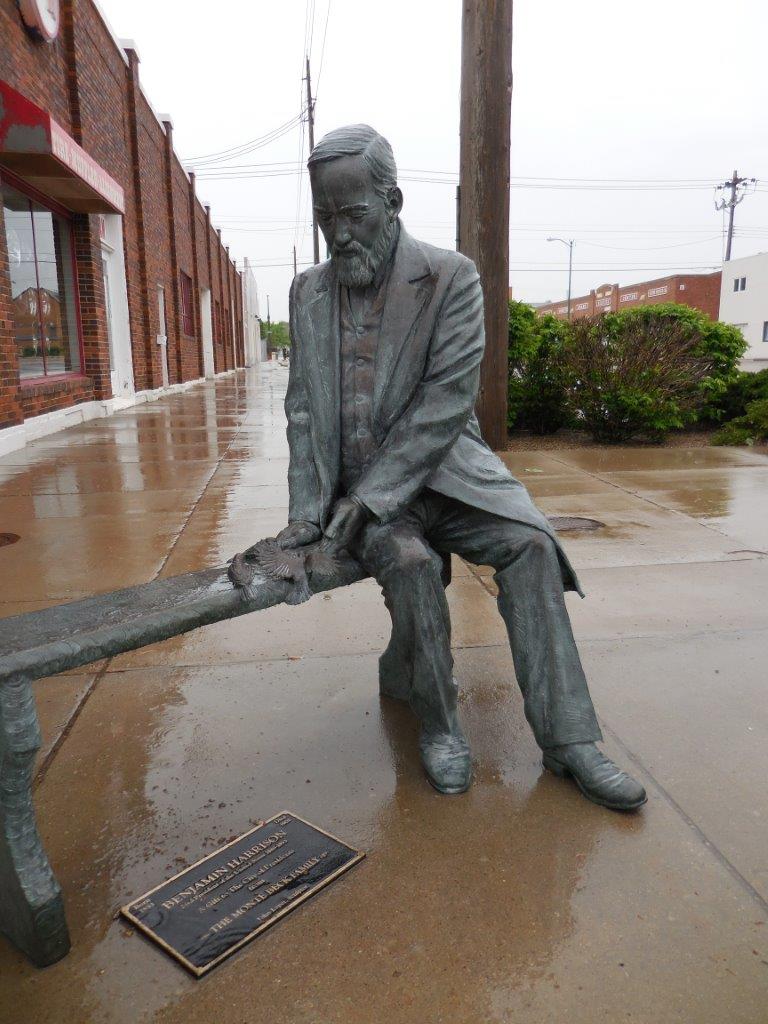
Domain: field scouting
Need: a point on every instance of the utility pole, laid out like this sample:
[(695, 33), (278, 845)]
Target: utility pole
[(311, 126), (269, 327), (295, 270), (486, 97), (458, 218), (738, 188)]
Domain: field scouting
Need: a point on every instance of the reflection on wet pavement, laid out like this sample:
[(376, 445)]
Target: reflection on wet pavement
[(518, 901)]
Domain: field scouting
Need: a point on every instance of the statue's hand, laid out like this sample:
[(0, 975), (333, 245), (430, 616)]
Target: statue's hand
[(296, 535), (347, 520)]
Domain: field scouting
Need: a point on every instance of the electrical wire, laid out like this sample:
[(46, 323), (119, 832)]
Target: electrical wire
[(247, 147)]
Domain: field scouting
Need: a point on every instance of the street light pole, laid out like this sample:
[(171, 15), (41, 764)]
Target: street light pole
[(570, 243)]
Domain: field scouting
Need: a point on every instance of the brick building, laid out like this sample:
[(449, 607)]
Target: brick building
[(113, 282), (701, 291)]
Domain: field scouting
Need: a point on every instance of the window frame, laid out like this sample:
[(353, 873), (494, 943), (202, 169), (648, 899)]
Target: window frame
[(765, 331), (34, 196)]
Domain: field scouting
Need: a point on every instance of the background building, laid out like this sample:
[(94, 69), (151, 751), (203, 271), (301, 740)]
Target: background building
[(744, 303), (701, 291), (113, 281), (255, 345)]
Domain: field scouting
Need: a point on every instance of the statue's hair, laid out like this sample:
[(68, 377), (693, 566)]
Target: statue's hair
[(359, 140)]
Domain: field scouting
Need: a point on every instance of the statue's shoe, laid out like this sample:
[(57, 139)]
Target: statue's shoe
[(598, 778), (447, 760)]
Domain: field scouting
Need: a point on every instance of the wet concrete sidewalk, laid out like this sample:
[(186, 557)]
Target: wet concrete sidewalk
[(518, 901)]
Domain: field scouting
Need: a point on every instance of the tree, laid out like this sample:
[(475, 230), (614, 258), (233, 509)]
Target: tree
[(277, 336)]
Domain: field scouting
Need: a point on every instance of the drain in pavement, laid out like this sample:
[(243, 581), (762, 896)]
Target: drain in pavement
[(566, 524)]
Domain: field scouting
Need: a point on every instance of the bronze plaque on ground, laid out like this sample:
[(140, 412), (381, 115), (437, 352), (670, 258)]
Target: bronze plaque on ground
[(209, 910)]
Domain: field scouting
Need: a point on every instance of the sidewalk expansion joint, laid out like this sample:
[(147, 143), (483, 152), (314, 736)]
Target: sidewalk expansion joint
[(57, 744), (643, 497), (200, 497), (744, 884)]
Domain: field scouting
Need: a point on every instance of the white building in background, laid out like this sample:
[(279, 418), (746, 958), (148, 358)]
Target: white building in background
[(744, 303), (255, 345)]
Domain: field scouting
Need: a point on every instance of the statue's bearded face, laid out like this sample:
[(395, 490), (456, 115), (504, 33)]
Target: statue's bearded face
[(357, 222)]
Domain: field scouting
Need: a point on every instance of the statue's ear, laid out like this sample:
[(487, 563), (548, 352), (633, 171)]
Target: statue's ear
[(395, 202)]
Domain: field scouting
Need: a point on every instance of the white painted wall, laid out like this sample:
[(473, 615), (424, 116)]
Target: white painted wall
[(747, 309), (207, 325), (118, 326), (255, 347)]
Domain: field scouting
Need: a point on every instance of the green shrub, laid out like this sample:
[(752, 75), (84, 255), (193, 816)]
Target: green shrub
[(746, 429), (736, 432), (632, 374), (537, 391), (757, 416), (722, 345), (743, 389)]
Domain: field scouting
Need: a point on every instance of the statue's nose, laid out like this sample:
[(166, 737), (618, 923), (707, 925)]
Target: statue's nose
[(341, 236)]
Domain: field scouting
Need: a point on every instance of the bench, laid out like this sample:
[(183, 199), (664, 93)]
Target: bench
[(54, 640)]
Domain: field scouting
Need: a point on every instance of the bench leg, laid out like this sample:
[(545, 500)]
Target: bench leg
[(31, 907)]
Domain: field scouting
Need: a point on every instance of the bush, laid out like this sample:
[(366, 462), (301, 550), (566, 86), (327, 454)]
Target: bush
[(743, 389), (537, 391), (635, 374), (736, 432), (757, 416), (722, 345), (747, 429)]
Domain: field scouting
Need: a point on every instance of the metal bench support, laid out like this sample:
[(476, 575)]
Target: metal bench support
[(31, 907)]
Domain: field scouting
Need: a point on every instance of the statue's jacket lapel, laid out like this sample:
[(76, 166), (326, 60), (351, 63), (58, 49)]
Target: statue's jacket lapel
[(318, 334), (405, 333)]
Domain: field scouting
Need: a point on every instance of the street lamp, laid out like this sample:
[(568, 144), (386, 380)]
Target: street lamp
[(570, 243)]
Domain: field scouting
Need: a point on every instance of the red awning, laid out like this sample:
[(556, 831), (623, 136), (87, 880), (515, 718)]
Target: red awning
[(39, 151)]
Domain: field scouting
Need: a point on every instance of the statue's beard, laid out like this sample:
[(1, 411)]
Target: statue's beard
[(357, 266)]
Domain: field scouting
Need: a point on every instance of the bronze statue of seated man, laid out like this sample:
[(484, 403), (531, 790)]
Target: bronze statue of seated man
[(387, 461)]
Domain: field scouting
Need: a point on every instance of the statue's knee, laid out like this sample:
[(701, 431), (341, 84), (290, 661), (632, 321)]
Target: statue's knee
[(540, 545), (535, 546), (412, 555), (402, 558)]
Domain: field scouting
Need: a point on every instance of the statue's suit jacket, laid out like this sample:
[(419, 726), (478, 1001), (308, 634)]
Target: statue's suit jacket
[(427, 373)]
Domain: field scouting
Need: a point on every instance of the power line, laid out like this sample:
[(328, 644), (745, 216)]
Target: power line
[(653, 248), (247, 147), (247, 172), (322, 49)]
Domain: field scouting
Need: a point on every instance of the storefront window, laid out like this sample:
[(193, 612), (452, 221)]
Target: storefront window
[(42, 287)]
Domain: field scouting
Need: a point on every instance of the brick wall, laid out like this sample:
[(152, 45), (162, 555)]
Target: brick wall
[(701, 291), (92, 88), (58, 393)]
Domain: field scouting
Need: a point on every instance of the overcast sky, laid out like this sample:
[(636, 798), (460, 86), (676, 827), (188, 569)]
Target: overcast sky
[(672, 94)]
